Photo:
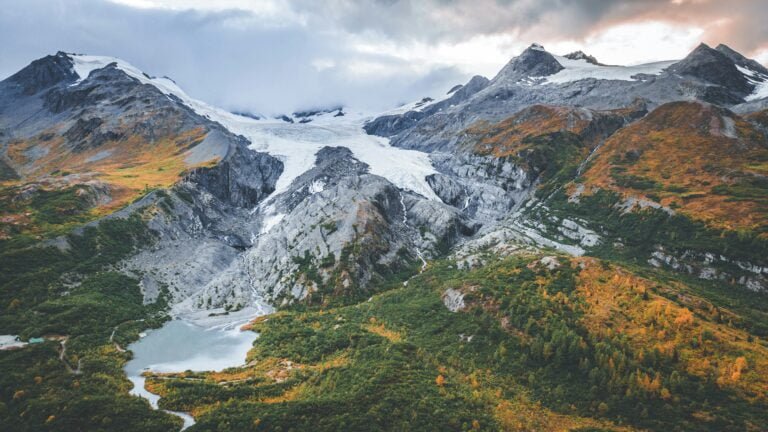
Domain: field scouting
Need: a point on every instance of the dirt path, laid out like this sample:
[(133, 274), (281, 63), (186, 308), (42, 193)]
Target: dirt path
[(63, 358), (114, 330)]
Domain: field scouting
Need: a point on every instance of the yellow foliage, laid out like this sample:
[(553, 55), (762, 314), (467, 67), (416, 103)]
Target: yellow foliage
[(506, 137), (684, 318), (381, 330), (656, 322), (677, 145), (440, 380), (665, 394)]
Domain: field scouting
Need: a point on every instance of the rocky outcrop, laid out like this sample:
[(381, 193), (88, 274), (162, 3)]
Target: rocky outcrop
[(44, 73), (581, 55), (242, 178), (482, 187), (710, 266), (535, 61)]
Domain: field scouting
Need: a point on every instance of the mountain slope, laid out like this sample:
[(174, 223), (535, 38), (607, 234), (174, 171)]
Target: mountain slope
[(699, 159), (530, 342), (568, 246)]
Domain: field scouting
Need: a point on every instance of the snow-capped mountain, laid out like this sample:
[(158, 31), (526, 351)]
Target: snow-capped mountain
[(260, 193), (254, 211), (537, 76), (563, 220)]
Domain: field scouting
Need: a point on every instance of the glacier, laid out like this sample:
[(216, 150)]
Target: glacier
[(295, 144)]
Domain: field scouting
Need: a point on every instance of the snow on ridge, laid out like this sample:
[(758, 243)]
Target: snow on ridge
[(575, 70), (296, 144), (85, 64), (757, 79), (418, 105)]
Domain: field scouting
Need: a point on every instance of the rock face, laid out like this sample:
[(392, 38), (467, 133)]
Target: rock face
[(340, 227), (43, 73), (484, 188), (535, 61), (714, 67), (202, 226), (581, 55), (235, 181)]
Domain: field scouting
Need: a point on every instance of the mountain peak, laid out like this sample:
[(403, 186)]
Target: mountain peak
[(702, 47), (581, 55), (740, 60), (535, 61), (725, 49), (714, 66), (44, 73)]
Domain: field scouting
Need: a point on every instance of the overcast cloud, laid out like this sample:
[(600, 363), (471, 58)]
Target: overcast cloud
[(272, 56)]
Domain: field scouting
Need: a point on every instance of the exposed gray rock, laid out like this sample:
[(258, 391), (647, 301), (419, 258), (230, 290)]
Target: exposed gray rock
[(483, 187), (581, 55), (533, 62), (234, 180), (453, 300), (44, 73), (706, 74), (712, 267)]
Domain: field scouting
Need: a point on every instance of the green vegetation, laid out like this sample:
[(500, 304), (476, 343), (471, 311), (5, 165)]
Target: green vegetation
[(67, 296), (634, 181), (402, 361), (631, 237), (554, 157), (44, 212)]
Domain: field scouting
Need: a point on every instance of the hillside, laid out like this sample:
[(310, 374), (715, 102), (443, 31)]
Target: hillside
[(699, 160), (530, 342)]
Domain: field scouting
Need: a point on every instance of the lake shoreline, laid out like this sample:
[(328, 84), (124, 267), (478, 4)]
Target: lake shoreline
[(198, 342)]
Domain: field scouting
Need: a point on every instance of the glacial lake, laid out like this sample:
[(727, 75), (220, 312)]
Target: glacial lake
[(181, 345)]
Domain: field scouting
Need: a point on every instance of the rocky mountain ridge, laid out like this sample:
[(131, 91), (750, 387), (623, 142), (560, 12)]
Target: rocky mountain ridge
[(258, 229)]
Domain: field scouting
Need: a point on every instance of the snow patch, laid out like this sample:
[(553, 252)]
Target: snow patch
[(757, 79), (580, 69), (316, 186)]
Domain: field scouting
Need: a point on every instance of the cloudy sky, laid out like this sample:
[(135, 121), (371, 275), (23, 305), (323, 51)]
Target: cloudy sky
[(274, 56)]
